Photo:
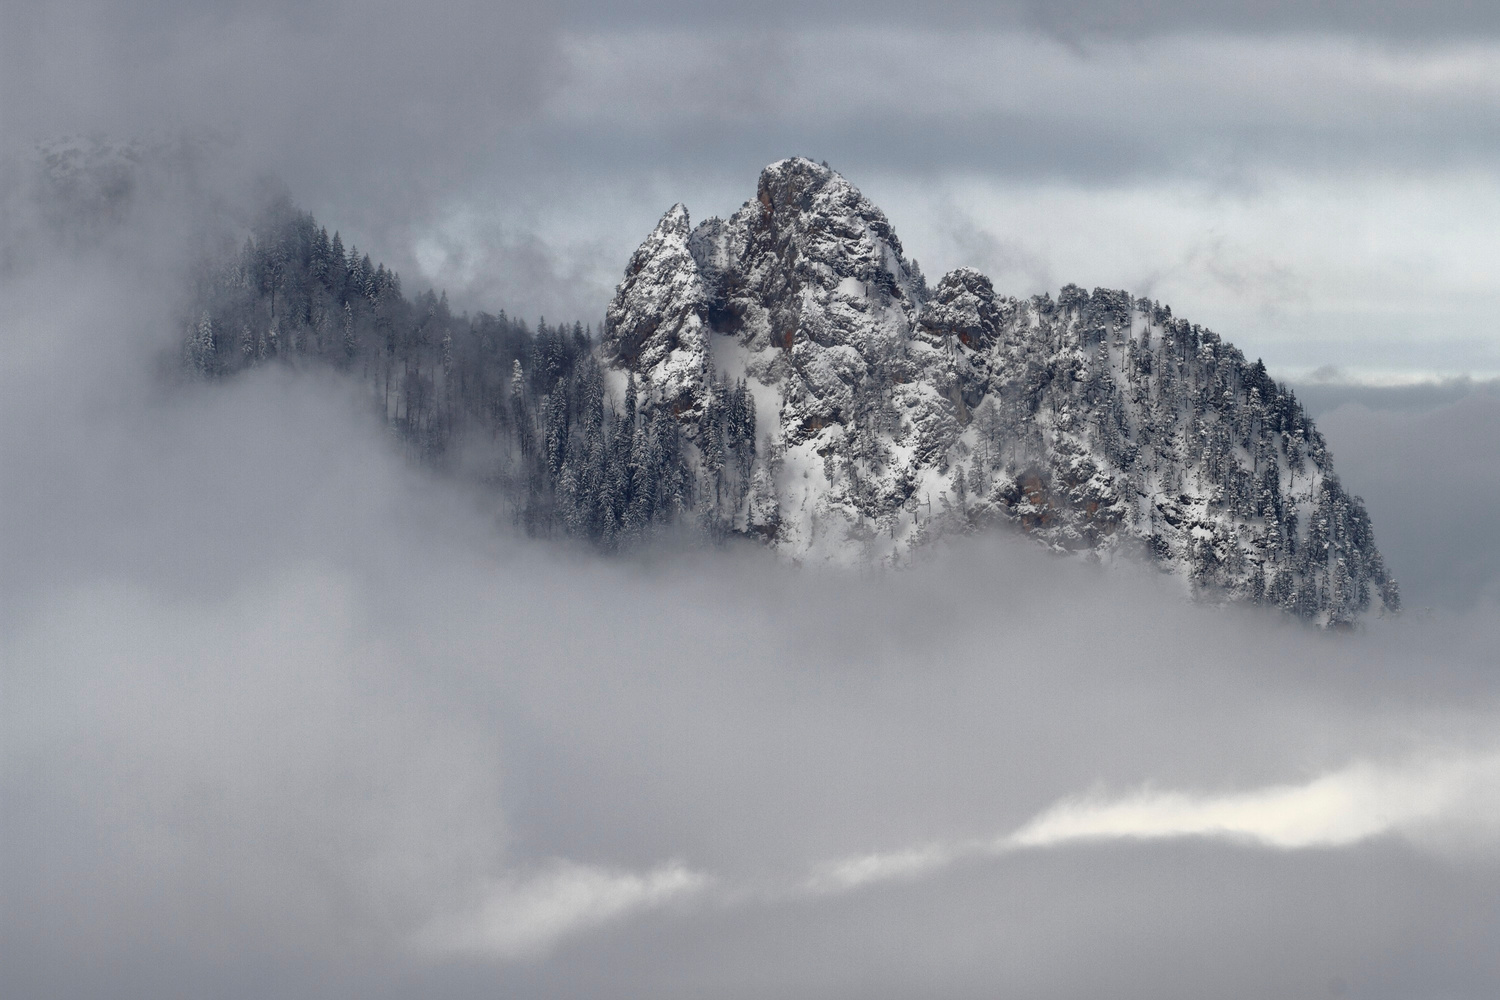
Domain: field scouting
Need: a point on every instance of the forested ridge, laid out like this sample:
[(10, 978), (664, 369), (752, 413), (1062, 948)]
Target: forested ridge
[(565, 453)]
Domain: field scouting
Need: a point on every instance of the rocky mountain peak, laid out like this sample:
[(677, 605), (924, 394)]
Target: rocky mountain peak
[(674, 224), (813, 219), (792, 182), (889, 414), (656, 321)]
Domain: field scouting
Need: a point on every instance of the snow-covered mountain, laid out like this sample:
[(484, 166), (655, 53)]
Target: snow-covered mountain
[(787, 374), (889, 413)]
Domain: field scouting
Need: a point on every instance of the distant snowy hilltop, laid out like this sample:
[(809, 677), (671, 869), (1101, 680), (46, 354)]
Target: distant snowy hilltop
[(787, 374)]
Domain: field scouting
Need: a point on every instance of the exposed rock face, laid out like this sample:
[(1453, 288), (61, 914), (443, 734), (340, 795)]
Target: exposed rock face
[(808, 279), (656, 322), (889, 414)]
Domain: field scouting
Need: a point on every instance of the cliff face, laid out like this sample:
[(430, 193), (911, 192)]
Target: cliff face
[(890, 413)]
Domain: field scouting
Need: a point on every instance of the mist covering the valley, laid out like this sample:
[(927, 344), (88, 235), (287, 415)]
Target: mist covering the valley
[(286, 714)]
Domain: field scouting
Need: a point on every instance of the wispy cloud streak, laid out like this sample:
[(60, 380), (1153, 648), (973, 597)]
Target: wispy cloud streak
[(525, 915), (1337, 809), (1426, 802)]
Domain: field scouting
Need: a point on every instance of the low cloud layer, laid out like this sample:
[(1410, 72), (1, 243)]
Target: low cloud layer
[(284, 715), (1448, 808)]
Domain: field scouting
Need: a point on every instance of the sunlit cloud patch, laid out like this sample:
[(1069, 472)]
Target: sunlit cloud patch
[(1337, 809)]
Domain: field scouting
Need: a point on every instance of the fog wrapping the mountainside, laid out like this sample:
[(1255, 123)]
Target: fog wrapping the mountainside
[(282, 714)]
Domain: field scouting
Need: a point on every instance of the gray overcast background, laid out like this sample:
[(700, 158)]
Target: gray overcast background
[(1315, 180), (281, 716)]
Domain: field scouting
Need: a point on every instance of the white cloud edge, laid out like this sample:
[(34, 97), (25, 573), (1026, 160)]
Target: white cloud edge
[(525, 915), (1426, 801), (1336, 809)]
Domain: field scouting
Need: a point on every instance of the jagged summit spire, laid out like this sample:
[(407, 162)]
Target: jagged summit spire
[(797, 189), (674, 222), (656, 322), (792, 182)]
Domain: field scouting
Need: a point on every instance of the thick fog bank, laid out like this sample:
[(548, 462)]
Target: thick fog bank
[(281, 715)]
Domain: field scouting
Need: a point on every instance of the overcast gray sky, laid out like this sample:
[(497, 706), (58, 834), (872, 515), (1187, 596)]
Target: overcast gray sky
[(1315, 181), (281, 716)]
